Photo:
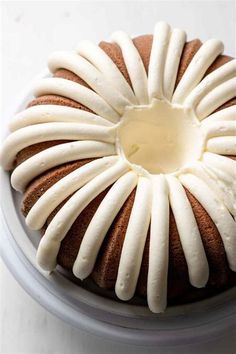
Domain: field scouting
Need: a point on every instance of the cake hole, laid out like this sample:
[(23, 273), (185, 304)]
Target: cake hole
[(160, 137)]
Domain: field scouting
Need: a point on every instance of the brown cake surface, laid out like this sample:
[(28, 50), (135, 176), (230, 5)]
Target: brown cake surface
[(107, 263)]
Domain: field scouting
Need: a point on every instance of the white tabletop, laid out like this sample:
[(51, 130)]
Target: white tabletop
[(31, 31)]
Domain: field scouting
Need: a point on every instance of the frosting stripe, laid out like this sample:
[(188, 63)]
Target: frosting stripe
[(197, 68), (227, 186), (157, 60), (175, 48), (92, 76), (55, 113), (50, 244), (65, 187), (159, 246), (210, 82), (220, 162), (100, 223), (228, 113), (30, 135), (224, 145), (78, 93), (189, 234), (218, 181), (134, 65), (216, 98), (134, 242), (56, 155), (217, 211), (103, 62), (220, 128)]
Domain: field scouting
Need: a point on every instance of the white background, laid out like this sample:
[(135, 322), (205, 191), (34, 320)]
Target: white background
[(30, 32)]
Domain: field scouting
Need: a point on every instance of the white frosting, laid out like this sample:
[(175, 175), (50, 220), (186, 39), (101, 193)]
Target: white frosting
[(91, 75), (56, 155), (134, 242), (197, 68), (65, 187), (225, 145), (189, 234), (228, 113), (221, 183), (54, 113), (225, 188), (155, 129), (216, 98), (78, 93), (157, 60), (134, 64), (164, 61), (178, 133), (222, 177), (100, 223), (159, 246), (103, 62), (218, 213), (219, 128), (63, 220), (34, 134), (175, 48), (220, 162), (211, 81)]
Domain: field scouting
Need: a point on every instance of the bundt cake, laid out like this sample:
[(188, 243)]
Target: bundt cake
[(126, 159)]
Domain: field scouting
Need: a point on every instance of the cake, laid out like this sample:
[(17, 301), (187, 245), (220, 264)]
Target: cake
[(126, 161)]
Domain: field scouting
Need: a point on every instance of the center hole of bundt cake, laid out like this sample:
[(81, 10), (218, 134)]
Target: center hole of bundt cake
[(160, 137)]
